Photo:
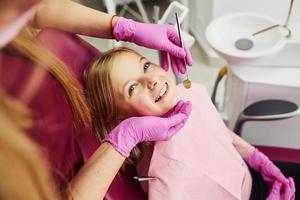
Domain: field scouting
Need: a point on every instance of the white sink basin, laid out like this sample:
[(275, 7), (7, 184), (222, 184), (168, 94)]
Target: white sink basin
[(222, 33)]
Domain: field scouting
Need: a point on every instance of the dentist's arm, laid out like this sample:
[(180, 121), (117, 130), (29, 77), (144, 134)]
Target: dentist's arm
[(94, 178), (270, 172), (75, 18), (244, 148), (257, 160)]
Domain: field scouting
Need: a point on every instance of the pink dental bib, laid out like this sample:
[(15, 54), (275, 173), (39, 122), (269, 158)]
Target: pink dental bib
[(200, 161)]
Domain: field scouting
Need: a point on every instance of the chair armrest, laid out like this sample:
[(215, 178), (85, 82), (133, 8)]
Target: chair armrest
[(281, 154)]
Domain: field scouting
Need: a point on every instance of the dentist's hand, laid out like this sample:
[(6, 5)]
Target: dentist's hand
[(261, 163), (155, 36), (149, 128), (272, 176), (278, 192), (275, 191)]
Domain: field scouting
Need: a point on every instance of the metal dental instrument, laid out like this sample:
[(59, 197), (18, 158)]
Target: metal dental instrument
[(186, 83), (143, 178), (278, 25)]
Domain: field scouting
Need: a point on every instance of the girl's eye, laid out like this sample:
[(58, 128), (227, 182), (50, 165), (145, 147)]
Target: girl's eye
[(131, 89), (146, 66)]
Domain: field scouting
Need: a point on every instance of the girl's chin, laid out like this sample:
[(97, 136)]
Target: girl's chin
[(162, 109), (167, 109), (157, 112)]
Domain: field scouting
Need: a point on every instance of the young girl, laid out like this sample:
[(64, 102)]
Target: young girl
[(204, 161)]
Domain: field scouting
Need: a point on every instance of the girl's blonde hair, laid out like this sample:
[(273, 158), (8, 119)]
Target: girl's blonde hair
[(26, 44), (24, 174), (100, 96)]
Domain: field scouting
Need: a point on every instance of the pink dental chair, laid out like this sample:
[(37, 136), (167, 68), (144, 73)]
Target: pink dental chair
[(77, 54)]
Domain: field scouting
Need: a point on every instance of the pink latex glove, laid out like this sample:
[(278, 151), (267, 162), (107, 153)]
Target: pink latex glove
[(282, 186), (278, 192), (275, 191), (149, 128), (155, 36), (261, 163), (289, 190)]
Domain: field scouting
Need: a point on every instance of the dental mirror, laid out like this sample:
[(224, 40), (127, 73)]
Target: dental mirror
[(186, 83)]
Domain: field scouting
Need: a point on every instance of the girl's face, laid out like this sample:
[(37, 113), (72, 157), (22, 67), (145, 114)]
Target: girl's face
[(141, 88)]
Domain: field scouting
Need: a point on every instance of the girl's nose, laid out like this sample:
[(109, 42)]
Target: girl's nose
[(151, 82)]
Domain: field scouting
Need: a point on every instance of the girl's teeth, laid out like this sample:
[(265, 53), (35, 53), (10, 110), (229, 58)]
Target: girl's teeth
[(162, 92)]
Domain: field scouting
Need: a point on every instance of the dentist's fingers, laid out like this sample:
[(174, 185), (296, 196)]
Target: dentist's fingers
[(175, 123), (289, 190), (275, 191), (185, 113), (174, 64), (174, 38), (182, 107), (174, 49), (174, 129), (181, 65), (186, 108), (175, 109), (178, 107), (164, 60)]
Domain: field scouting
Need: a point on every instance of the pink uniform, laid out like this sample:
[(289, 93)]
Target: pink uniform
[(199, 162)]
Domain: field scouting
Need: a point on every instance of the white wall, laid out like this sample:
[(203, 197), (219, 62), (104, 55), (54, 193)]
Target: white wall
[(202, 11), (277, 9)]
